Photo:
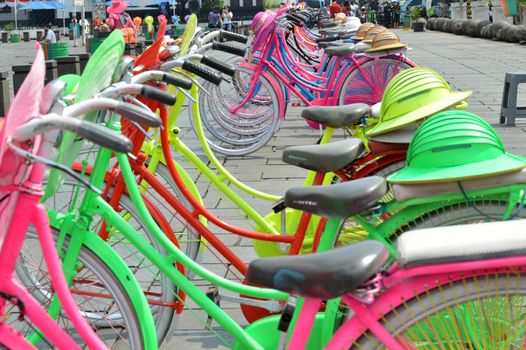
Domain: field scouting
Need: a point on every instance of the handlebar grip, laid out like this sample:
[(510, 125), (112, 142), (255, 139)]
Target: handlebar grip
[(240, 38), (177, 81), (234, 50), (218, 65), (104, 137), (158, 95), (202, 71), (138, 114), (293, 19)]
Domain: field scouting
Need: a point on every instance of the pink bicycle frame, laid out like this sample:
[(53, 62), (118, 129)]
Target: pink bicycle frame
[(21, 187), (400, 285)]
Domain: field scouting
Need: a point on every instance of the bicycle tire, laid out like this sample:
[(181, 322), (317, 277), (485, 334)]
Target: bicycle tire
[(104, 282), (463, 213), (159, 288), (226, 142), (356, 89), (441, 310)]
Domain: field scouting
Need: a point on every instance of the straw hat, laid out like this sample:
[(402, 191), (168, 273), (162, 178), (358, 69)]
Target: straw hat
[(412, 95), (453, 146), (362, 30), (340, 18), (117, 6), (385, 41), (371, 33)]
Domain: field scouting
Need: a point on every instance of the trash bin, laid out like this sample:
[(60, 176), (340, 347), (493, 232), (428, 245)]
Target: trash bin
[(83, 60), (39, 34), (68, 65), (94, 43), (57, 33), (56, 50), (51, 71), (14, 38), (26, 36), (5, 95), (5, 37), (19, 74)]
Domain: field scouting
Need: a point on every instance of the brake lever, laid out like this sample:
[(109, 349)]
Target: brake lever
[(52, 164), (184, 74)]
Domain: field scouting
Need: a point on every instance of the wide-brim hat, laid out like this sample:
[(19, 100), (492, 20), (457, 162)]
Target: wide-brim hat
[(362, 30), (455, 146), (413, 95), (386, 41), (426, 110), (117, 6), (372, 32)]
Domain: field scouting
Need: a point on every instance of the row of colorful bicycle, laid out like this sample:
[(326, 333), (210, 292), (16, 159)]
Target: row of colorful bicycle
[(111, 246)]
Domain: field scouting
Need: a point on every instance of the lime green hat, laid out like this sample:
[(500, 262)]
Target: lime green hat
[(412, 95), (455, 145)]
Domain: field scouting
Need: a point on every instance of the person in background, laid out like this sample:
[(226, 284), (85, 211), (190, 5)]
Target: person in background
[(214, 19), (355, 10), (346, 8), (490, 13), (226, 18), (334, 9), (49, 36), (118, 18)]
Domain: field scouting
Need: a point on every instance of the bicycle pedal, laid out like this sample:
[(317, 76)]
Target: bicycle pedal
[(213, 294)]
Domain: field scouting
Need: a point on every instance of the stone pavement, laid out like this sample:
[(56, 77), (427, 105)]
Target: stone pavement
[(467, 63)]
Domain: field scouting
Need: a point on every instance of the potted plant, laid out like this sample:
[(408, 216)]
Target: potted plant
[(419, 22), (14, 37)]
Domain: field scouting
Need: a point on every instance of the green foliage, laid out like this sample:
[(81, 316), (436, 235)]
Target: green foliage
[(271, 4), (210, 4), (9, 26), (416, 12)]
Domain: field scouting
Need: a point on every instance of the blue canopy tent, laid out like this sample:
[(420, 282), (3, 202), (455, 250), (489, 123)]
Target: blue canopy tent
[(130, 4), (43, 5)]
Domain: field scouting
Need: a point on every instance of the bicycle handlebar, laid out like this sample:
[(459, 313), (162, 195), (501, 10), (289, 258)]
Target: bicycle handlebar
[(157, 95), (162, 76), (218, 65), (202, 71), (97, 134), (233, 49), (240, 38)]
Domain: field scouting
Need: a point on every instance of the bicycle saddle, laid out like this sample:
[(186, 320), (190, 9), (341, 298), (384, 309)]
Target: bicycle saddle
[(339, 200), (361, 47), (330, 37), (323, 158), (329, 23), (340, 50), (324, 275), (336, 116)]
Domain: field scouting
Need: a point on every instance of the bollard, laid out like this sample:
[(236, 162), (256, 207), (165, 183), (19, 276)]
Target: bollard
[(68, 65), (39, 35), (129, 50), (51, 71), (139, 48), (19, 74), (57, 33), (5, 37), (5, 95), (26, 36), (83, 60)]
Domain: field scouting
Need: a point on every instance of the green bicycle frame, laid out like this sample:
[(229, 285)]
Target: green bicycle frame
[(94, 205)]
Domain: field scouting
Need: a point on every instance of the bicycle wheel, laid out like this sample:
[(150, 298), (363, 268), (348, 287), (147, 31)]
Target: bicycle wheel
[(368, 86), (251, 127), (486, 311), (100, 297), (472, 212), (159, 289)]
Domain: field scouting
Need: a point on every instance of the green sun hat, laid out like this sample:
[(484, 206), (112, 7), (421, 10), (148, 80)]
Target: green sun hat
[(412, 95), (455, 145)]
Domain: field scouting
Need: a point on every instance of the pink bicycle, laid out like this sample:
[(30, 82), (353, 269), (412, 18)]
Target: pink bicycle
[(24, 321)]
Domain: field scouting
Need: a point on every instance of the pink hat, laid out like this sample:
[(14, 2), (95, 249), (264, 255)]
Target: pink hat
[(117, 6)]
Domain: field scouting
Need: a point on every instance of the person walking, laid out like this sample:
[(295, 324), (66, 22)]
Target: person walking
[(214, 19), (346, 8), (490, 13), (226, 18), (334, 9)]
